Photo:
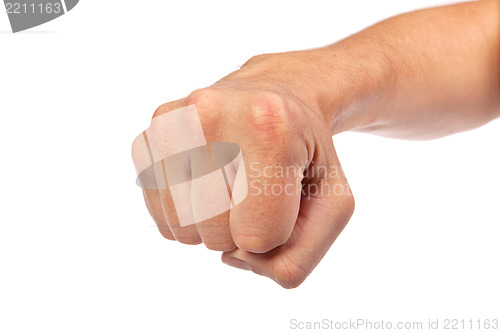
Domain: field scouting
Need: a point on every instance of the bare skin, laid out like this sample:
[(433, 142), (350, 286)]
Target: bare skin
[(420, 75)]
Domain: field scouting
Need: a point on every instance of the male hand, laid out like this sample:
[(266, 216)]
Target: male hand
[(420, 75), (298, 198)]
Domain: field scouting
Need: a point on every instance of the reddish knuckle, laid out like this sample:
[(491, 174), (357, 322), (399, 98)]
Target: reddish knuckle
[(268, 116)]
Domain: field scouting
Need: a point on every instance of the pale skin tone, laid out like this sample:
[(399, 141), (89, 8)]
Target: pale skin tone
[(420, 75)]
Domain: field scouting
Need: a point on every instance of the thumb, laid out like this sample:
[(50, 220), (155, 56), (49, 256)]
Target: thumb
[(325, 209)]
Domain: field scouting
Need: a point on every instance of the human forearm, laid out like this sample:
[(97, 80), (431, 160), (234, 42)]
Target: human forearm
[(445, 69), (420, 75)]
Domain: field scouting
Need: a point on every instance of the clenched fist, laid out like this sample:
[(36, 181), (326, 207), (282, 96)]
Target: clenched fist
[(420, 75), (298, 199)]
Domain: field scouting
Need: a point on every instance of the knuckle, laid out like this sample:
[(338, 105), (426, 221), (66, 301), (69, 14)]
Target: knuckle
[(268, 116), (288, 274), (138, 147), (202, 96), (256, 59), (161, 110), (348, 204), (345, 206), (207, 102), (170, 106)]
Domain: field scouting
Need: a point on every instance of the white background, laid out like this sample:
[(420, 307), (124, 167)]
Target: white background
[(78, 250)]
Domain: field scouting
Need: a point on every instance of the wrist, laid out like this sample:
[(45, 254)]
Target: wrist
[(343, 82), (356, 85)]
